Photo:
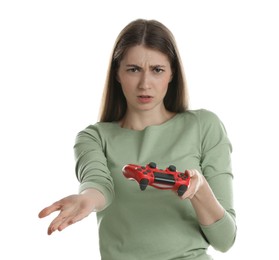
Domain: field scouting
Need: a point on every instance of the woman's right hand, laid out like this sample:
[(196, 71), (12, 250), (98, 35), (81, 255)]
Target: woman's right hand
[(73, 208)]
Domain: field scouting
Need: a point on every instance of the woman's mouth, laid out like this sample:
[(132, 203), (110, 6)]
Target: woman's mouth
[(145, 98)]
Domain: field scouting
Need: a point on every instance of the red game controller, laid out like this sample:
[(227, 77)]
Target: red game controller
[(160, 179)]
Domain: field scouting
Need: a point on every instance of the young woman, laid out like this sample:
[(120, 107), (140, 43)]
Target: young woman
[(145, 117)]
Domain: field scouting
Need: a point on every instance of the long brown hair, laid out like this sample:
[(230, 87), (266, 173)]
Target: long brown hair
[(154, 35)]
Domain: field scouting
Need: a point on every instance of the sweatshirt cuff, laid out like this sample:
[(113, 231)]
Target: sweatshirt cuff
[(108, 194), (221, 234)]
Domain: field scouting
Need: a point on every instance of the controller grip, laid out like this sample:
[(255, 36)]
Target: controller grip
[(181, 190), (143, 184)]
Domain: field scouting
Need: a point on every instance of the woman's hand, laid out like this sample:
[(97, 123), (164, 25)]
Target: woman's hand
[(196, 182), (203, 200), (73, 208)]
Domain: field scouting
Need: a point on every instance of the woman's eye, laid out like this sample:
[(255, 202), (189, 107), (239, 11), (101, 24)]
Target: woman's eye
[(158, 70), (135, 69)]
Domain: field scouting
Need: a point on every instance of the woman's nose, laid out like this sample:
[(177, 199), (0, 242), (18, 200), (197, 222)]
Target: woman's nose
[(145, 81)]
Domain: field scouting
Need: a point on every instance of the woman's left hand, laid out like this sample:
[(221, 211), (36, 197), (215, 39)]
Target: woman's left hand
[(197, 180), (207, 207)]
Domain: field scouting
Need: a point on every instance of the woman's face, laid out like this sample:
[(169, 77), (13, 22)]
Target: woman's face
[(144, 75)]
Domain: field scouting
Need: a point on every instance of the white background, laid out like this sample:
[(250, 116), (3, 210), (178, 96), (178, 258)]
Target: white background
[(53, 62)]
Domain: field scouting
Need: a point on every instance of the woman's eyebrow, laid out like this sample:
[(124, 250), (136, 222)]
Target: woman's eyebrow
[(132, 65), (151, 66), (158, 65)]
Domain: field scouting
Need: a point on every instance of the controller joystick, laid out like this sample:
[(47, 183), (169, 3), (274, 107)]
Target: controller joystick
[(150, 175)]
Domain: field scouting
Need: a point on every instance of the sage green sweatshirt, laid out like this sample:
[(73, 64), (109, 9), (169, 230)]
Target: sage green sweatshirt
[(156, 224)]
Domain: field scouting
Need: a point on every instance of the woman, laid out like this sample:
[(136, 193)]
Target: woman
[(145, 117)]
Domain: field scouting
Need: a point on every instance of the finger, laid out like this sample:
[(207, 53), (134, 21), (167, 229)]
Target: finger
[(189, 194), (191, 173), (63, 216), (48, 210), (64, 220), (55, 224)]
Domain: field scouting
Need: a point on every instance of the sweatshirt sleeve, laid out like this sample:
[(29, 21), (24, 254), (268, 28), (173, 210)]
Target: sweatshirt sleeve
[(91, 163), (216, 167)]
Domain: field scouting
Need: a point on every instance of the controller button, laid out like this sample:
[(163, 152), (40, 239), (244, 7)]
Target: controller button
[(152, 165), (172, 168)]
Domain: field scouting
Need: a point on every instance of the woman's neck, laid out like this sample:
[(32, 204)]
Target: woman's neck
[(139, 121)]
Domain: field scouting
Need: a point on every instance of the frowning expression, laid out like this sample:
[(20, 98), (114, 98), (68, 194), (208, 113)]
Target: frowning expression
[(144, 75)]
